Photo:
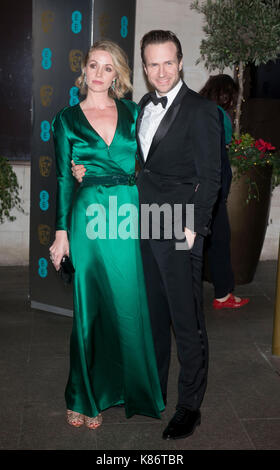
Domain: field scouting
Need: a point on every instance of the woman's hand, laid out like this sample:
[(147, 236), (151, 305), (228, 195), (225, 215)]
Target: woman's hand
[(59, 248), (78, 171)]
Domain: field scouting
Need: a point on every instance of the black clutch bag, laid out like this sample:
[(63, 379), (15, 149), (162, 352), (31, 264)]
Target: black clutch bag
[(66, 270)]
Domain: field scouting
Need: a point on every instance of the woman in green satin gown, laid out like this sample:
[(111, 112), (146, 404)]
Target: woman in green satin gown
[(112, 359)]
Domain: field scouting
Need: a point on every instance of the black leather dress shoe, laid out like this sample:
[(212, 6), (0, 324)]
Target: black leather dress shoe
[(182, 424)]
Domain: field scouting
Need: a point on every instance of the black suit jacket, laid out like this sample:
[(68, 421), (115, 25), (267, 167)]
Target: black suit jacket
[(184, 162)]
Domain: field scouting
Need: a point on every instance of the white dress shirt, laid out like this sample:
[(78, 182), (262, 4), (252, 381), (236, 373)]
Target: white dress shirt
[(153, 114)]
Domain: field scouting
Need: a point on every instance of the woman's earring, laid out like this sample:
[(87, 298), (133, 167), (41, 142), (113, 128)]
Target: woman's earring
[(85, 80), (113, 84)]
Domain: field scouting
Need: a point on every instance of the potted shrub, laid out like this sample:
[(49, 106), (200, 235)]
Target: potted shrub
[(9, 191), (248, 157), (239, 32), (256, 171)]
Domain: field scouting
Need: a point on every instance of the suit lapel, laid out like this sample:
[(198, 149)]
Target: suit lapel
[(168, 120), (145, 100), (139, 148)]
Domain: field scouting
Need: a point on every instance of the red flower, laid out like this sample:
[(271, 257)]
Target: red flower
[(263, 146)]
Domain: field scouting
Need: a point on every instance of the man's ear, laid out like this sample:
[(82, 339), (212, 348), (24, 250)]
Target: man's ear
[(145, 69)]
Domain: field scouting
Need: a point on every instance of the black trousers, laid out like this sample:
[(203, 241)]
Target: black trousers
[(217, 248), (174, 290)]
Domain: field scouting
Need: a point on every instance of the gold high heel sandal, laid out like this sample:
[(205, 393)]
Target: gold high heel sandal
[(74, 418), (93, 423)]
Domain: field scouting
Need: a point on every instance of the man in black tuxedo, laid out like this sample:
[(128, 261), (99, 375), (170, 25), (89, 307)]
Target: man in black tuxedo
[(179, 141)]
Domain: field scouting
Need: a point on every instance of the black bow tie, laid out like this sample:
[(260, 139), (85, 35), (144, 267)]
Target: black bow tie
[(156, 100)]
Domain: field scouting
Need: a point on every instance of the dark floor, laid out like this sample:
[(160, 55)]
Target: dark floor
[(241, 409)]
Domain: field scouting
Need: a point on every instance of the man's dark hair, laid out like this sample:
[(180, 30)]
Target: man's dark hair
[(158, 36), (222, 89)]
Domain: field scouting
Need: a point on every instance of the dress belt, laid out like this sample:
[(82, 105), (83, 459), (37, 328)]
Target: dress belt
[(110, 180)]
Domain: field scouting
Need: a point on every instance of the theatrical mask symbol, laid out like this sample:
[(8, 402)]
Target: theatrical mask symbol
[(46, 92), (47, 20), (103, 21), (44, 232), (45, 165), (75, 60)]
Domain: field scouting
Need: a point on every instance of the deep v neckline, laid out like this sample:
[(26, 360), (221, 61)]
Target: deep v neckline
[(94, 130)]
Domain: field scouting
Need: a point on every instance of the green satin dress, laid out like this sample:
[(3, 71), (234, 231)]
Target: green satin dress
[(112, 358)]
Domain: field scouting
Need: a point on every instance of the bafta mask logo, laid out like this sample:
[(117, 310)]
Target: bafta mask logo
[(103, 22), (75, 60), (47, 20), (44, 232), (46, 92), (45, 165)]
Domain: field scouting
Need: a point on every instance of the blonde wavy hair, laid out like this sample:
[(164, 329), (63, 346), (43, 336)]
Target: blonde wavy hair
[(120, 61)]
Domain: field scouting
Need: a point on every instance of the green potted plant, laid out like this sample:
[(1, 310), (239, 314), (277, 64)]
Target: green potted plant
[(249, 156), (9, 191), (239, 32), (256, 171)]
